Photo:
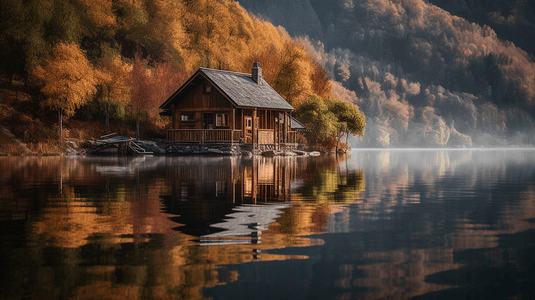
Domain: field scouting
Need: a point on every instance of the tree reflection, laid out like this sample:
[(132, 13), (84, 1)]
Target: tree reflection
[(436, 224), (140, 228), (186, 227)]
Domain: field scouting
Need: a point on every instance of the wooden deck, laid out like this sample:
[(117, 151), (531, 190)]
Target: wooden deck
[(204, 135), (265, 136)]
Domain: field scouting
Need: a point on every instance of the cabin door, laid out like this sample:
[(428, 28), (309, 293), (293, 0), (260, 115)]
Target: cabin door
[(248, 129), (208, 121)]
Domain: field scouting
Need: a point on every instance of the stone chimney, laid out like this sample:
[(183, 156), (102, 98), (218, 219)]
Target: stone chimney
[(256, 73)]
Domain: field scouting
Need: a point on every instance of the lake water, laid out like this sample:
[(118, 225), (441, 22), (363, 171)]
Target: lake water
[(378, 224)]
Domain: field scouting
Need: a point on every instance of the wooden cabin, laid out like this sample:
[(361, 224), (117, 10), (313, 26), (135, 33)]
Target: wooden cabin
[(216, 106)]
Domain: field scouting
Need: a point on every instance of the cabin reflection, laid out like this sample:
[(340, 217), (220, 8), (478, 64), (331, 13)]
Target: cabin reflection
[(204, 190), (240, 181)]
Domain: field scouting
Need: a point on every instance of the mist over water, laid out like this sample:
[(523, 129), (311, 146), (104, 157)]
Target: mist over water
[(383, 223)]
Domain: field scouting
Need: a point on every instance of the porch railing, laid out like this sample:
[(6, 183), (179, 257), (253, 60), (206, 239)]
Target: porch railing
[(266, 136), (224, 136), (292, 137), (204, 135)]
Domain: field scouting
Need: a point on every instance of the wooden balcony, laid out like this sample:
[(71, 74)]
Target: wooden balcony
[(204, 135)]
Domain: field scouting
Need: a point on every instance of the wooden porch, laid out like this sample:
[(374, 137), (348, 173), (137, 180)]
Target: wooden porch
[(204, 135), (264, 137)]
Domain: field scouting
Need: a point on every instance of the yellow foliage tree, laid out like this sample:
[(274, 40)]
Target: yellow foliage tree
[(175, 37), (140, 89), (219, 33), (68, 80), (286, 65), (293, 73), (222, 35), (113, 76), (167, 26), (100, 12)]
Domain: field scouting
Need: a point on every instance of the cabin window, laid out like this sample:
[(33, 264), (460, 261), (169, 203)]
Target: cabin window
[(184, 193), (207, 88), (221, 120), (248, 122), (187, 117), (220, 188)]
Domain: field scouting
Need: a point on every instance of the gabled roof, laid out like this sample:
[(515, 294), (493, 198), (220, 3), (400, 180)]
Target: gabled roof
[(239, 88), (295, 124)]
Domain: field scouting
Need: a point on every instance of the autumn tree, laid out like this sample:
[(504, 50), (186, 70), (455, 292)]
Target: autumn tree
[(139, 81), (168, 28), (164, 80), (321, 85), (22, 40), (269, 59), (322, 123), (350, 120), (292, 80), (164, 40), (68, 80), (100, 12), (150, 87), (113, 83), (287, 67)]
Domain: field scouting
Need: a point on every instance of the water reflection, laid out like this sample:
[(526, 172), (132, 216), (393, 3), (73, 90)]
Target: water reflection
[(380, 224), (136, 227), (429, 224)]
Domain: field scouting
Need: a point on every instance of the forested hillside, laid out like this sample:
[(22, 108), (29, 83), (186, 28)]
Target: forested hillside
[(511, 20), (424, 76), (118, 59)]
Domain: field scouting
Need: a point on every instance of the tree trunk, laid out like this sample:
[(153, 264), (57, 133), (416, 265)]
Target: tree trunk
[(60, 121), (137, 127), (347, 141), (108, 118), (108, 114)]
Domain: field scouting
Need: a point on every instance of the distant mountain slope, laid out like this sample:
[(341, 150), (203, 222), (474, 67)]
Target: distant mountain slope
[(298, 16), (513, 20), (420, 73)]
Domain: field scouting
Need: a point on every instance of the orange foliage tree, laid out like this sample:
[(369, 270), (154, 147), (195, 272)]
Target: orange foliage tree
[(149, 87), (68, 80), (321, 85), (139, 81), (292, 73), (165, 40)]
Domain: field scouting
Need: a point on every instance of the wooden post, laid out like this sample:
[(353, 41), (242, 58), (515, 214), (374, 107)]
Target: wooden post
[(254, 135), (274, 126), (254, 179), (233, 124), (243, 125), (284, 129), (175, 117), (232, 180), (277, 130)]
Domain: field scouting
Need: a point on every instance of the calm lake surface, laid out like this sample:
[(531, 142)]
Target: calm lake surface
[(385, 224)]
